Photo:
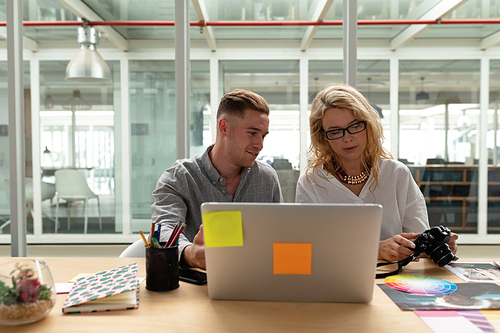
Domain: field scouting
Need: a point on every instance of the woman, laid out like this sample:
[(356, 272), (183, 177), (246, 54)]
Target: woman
[(349, 165)]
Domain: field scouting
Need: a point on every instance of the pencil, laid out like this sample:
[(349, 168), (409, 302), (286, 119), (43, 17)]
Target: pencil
[(144, 238), (152, 235), (176, 236), (172, 235), (176, 241)]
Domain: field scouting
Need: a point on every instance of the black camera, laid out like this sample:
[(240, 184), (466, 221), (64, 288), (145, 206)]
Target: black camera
[(434, 243)]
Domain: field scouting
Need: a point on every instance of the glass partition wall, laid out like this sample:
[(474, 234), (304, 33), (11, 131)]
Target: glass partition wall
[(152, 132), (4, 150), (439, 121), (153, 127), (278, 83), (439, 114), (77, 123), (493, 147), (121, 135)]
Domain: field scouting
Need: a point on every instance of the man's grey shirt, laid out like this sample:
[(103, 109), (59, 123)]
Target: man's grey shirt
[(182, 189)]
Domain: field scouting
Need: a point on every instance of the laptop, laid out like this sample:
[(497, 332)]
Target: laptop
[(291, 251)]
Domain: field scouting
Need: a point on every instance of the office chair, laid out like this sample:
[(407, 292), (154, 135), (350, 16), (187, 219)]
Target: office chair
[(288, 182), (48, 192), (71, 185), (135, 250)]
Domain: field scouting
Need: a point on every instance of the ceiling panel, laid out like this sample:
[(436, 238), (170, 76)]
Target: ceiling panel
[(454, 31), (258, 10)]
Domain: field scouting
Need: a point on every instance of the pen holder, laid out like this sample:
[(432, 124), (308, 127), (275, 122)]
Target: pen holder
[(162, 268)]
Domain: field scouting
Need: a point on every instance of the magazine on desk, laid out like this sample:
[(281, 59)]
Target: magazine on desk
[(114, 289), (475, 271), (468, 296)]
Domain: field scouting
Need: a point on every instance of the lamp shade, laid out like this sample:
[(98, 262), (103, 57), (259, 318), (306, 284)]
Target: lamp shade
[(422, 96), (87, 65)]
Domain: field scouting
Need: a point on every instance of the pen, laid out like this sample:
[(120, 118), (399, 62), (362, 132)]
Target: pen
[(144, 239), (155, 243), (158, 232)]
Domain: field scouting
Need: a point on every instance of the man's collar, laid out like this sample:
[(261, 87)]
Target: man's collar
[(212, 171)]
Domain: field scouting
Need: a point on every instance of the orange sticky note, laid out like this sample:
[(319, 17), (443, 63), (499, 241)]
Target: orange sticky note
[(292, 258), (223, 229)]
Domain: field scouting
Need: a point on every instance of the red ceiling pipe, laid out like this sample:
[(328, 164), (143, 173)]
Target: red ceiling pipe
[(51, 23), (46, 23), (360, 22), (265, 23), (471, 21), (256, 23), (138, 23), (96, 23), (307, 23)]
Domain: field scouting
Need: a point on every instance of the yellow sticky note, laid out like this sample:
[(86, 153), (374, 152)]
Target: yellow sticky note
[(223, 229), (292, 258)]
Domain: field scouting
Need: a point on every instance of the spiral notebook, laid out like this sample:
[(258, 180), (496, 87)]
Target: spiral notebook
[(291, 252)]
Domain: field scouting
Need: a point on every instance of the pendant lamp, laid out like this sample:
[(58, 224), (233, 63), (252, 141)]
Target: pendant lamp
[(313, 95), (422, 96), (87, 65)]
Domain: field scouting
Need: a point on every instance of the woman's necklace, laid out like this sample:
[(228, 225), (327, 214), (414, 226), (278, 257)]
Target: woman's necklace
[(354, 180)]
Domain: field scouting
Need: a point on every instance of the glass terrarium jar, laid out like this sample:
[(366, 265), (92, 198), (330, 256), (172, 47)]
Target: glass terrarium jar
[(27, 292)]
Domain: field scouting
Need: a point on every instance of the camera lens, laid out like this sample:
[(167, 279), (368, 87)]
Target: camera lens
[(442, 255)]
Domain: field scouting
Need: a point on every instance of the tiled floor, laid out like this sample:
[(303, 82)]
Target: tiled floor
[(107, 207), (77, 213)]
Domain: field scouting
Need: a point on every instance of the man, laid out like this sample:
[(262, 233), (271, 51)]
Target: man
[(227, 171)]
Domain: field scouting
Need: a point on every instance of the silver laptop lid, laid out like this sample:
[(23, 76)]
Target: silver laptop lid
[(291, 252)]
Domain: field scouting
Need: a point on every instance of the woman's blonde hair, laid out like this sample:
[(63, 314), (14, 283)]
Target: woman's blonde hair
[(342, 96)]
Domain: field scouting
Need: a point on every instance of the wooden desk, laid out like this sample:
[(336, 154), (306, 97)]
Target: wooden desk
[(188, 308)]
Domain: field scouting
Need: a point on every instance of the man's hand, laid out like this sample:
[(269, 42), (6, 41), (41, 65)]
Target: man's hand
[(194, 254), (397, 247)]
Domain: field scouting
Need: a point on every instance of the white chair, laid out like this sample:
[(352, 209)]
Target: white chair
[(288, 183), (48, 192), (135, 250), (71, 185)]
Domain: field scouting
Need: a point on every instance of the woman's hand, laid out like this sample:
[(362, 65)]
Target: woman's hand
[(453, 242), (397, 247)]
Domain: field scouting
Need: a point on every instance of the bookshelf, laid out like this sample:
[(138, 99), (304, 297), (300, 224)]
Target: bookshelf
[(451, 191)]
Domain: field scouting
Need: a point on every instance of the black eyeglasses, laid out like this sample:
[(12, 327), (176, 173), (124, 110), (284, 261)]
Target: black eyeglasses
[(340, 132)]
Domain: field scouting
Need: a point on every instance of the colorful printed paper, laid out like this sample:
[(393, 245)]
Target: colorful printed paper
[(222, 229), (467, 296), (424, 285), (292, 258), (475, 271), (467, 321), (493, 318)]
